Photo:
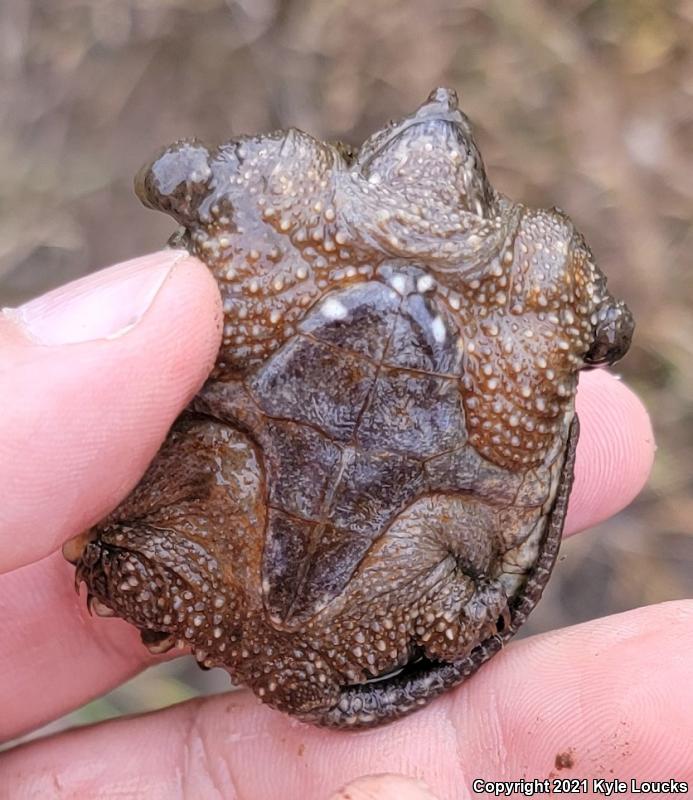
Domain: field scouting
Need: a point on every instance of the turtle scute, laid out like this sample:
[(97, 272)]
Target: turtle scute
[(365, 500)]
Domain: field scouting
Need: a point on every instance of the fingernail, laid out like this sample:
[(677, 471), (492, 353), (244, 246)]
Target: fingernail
[(104, 305)]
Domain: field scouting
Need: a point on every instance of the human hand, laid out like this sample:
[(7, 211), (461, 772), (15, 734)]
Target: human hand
[(90, 384)]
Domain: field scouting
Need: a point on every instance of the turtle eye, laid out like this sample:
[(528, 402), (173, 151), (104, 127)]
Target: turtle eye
[(612, 335)]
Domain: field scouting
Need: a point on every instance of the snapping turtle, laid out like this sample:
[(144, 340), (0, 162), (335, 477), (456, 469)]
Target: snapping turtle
[(365, 500)]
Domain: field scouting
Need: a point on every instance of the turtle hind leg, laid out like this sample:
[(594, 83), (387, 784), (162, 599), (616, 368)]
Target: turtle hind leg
[(165, 585), (377, 702), (175, 558)]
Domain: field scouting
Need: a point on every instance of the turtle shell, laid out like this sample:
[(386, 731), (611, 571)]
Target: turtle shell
[(366, 498)]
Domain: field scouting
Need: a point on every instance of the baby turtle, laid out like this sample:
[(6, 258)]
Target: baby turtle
[(365, 501)]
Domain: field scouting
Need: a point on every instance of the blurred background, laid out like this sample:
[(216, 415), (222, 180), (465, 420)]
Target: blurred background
[(584, 104)]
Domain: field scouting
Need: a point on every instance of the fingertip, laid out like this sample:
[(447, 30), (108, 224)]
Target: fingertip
[(615, 450), (189, 307)]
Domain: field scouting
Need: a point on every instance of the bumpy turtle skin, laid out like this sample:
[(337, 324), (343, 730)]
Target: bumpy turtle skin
[(369, 704), (365, 500)]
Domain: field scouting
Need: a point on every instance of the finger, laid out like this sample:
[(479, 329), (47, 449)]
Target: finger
[(606, 698), (386, 787), (79, 659), (615, 450), (92, 377), (49, 640)]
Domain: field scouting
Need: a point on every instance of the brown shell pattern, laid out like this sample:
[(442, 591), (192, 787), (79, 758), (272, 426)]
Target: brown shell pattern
[(365, 500)]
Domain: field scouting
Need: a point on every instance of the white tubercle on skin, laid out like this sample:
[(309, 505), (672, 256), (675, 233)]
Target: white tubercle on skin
[(333, 309), (399, 284), (438, 328), (424, 284)]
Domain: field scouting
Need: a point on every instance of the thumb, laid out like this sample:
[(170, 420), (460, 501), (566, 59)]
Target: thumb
[(386, 787), (91, 377)]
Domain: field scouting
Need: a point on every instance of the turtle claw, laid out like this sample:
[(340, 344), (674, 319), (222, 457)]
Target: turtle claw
[(158, 642), (95, 606), (73, 548)]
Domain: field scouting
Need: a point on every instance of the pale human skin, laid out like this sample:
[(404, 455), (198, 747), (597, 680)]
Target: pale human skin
[(90, 381)]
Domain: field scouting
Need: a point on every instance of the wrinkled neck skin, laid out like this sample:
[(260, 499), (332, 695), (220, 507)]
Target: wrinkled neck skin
[(419, 190)]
